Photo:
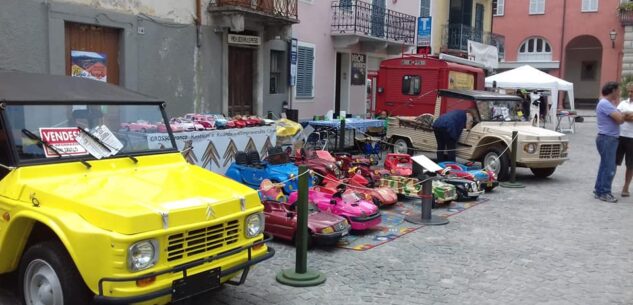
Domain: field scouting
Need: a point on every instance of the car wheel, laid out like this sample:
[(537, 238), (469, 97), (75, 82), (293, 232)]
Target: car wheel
[(49, 276), (543, 172), (143, 130), (497, 160), (488, 189), (402, 146), (317, 179)]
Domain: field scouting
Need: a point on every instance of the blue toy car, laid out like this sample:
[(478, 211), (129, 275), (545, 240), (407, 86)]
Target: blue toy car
[(249, 169), (486, 178)]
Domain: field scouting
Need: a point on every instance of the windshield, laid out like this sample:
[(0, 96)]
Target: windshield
[(114, 129), (350, 197), (499, 110)]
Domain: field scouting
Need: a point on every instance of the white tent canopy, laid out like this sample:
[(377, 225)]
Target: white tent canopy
[(527, 77)]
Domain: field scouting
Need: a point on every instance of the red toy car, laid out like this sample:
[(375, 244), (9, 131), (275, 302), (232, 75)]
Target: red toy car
[(380, 196), (281, 219), (139, 126), (174, 127), (351, 165), (398, 165), (207, 121), (319, 162)]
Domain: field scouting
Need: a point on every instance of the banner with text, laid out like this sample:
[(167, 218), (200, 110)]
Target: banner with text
[(215, 149)]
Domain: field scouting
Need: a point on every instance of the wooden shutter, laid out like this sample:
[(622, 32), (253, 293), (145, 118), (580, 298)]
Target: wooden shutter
[(305, 72)]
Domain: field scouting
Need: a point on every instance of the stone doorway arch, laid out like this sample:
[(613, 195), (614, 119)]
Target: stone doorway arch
[(583, 62)]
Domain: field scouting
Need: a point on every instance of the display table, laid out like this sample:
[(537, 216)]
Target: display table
[(215, 149), (351, 123), (570, 115)]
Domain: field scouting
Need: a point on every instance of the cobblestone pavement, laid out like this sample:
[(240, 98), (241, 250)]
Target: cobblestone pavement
[(550, 243)]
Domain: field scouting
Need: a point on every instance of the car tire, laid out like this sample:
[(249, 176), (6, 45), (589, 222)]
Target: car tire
[(402, 146), (47, 271), (497, 160), (543, 172), (317, 179)]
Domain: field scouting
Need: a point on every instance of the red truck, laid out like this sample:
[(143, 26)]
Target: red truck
[(407, 85)]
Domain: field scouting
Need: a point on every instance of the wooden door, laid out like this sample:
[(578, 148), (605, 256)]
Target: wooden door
[(240, 80), (97, 39)]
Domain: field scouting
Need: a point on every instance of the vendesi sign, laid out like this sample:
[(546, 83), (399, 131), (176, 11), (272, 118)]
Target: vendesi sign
[(244, 40), (424, 31)]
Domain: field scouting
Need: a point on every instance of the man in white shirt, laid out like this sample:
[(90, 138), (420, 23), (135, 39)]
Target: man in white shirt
[(625, 145)]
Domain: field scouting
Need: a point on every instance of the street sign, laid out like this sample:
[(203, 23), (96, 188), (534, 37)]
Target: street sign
[(424, 31)]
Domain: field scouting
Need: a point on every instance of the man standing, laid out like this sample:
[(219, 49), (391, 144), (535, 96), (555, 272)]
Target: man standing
[(447, 128), (609, 120), (625, 148)]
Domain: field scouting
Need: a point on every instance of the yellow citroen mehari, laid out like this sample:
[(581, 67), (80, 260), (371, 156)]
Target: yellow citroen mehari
[(88, 212)]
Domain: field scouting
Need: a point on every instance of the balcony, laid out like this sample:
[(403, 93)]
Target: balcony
[(455, 38), (270, 11), (374, 27), (626, 17)]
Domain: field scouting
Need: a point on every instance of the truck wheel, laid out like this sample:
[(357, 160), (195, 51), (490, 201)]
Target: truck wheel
[(402, 146), (543, 172), (497, 162), (49, 276)]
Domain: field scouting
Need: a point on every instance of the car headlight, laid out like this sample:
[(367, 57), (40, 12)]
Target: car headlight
[(565, 146), (254, 225), (327, 230), (142, 255), (292, 176), (530, 148)]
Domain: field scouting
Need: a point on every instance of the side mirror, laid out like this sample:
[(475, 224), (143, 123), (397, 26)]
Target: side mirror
[(332, 201), (290, 214)]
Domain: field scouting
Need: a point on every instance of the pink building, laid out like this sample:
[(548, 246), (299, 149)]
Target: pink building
[(341, 44), (580, 41)]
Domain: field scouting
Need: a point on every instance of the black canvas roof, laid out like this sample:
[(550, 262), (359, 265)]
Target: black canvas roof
[(33, 87), (476, 95)]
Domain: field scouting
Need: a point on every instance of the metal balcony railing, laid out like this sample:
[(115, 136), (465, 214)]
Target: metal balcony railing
[(355, 17), (456, 36), (626, 17), (273, 8)]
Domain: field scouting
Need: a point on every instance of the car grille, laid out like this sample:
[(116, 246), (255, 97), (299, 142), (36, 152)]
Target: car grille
[(449, 193), (550, 151), (201, 240)]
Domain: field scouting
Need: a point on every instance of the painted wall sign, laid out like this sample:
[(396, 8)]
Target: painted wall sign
[(460, 80), (424, 31), (359, 69), (87, 64), (294, 44), (244, 40), (215, 149)]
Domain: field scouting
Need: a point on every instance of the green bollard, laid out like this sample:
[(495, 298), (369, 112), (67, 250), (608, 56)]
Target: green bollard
[(301, 276), (513, 168)]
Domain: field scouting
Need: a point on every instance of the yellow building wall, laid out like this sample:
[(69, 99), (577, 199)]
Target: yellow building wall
[(439, 13)]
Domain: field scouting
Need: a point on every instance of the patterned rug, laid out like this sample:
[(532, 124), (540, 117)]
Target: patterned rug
[(394, 224)]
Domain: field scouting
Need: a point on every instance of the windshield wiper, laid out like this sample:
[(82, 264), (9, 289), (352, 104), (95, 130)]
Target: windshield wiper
[(39, 140), (103, 144)]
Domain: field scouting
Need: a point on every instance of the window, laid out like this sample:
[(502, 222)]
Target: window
[(305, 71), (425, 8), (537, 6), (589, 6), (535, 49), (411, 84), (276, 66), (498, 7)]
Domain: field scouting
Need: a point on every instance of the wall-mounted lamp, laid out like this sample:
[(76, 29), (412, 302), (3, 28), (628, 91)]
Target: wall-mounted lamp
[(612, 35)]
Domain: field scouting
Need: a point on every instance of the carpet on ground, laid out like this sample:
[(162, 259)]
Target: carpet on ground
[(394, 225)]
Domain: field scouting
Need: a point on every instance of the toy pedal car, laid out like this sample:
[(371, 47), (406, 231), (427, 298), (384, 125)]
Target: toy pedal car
[(486, 178)]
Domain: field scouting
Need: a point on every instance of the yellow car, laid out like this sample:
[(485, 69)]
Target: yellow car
[(90, 211)]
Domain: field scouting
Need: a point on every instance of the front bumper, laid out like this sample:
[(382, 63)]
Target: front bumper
[(244, 267), (489, 184), (362, 223), (330, 239)]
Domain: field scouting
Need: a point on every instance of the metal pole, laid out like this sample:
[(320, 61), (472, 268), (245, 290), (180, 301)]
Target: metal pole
[(426, 216), (513, 171), (341, 136), (302, 222), (513, 161), (301, 276)]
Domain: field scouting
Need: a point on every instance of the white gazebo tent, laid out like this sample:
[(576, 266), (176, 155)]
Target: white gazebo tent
[(527, 77)]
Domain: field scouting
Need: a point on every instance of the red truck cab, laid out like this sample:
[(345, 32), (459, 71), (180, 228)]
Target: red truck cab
[(408, 85)]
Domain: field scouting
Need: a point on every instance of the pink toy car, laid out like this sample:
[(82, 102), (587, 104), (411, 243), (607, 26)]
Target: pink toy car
[(139, 126), (361, 214), (205, 120), (174, 127), (185, 124)]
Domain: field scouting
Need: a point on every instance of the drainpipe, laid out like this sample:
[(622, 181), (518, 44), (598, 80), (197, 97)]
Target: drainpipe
[(198, 23), (561, 70)]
